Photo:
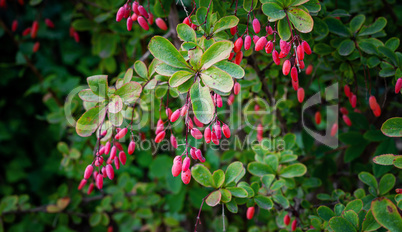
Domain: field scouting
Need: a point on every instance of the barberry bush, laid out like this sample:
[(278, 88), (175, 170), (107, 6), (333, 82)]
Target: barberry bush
[(201, 115)]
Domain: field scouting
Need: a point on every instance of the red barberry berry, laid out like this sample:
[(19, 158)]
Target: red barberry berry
[(250, 212)]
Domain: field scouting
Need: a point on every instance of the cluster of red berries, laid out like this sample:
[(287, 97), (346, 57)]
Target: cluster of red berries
[(74, 34), (3, 3), (106, 169), (286, 221), (140, 15)]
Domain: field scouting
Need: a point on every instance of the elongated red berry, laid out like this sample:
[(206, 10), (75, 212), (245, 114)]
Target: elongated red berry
[(286, 67), (231, 99), (104, 174), (168, 113), (301, 64), (306, 47), (269, 47), (110, 171), (113, 152), (118, 146), (238, 58), (344, 110), (231, 56), (186, 176), (346, 89), (353, 101), (214, 138), (177, 166), (255, 39), (218, 101), (187, 21), (49, 23), (218, 130), (295, 85), (373, 102), (226, 130), (196, 133), (76, 37), (34, 31), (173, 141), (129, 24), (294, 74), (377, 111), (250, 212), (82, 184), (300, 94), (269, 30), (346, 119), (398, 85), (161, 24), (159, 137), (131, 147), (318, 117), (233, 30), (275, 57), (192, 153), (186, 164), (236, 88), (294, 224), (143, 12), (14, 26), (175, 115), (238, 45), (207, 134), (183, 110), (261, 43), (134, 17), (199, 156), (90, 188), (256, 26), (121, 134), (88, 171), (150, 19), (334, 129), (247, 42), (197, 122), (116, 163), (122, 157), (300, 52), (36, 47), (26, 31), (120, 14), (143, 23), (99, 181), (286, 219), (309, 69)]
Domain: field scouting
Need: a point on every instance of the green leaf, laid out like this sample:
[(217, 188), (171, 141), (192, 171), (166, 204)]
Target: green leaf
[(226, 22), (293, 170), (259, 169), (83, 25), (90, 120), (161, 91), (339, 224), (392, 43), (283, 29), (346, 47), (278, 184), (313, 6), (354, 151), (89, 96), (202, 175), (298, 2), (357, 22), (163, 50), (232, 69), (267, 180), (238, 192), (226, 195), (355, 205), (167, 70), (301, 20), (128, 76), (368, 47), (373, 61), (392, 127), (368, 179), (280, 199), (232, 206), (386, 159), (217, 79), (263, 202), (352, 217), (398, 162), (388, 53), (195, 57), (129, 92), (214, 198), (336, 26), (232, 171), (325, 212), (186, 33), (95, 219), (98, 85), (369, 223), (273, 11), (179, 78), (322, 49), (219, 177), (215, 53), (115, 119), (377, 26), (386, 214), (203, 105), (115, 104), (387, 182), (63, 147), (247, 5), (141, 69)]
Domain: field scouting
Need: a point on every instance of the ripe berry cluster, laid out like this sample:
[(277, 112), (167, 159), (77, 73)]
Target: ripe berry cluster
[(106, 169), (140, 15)]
